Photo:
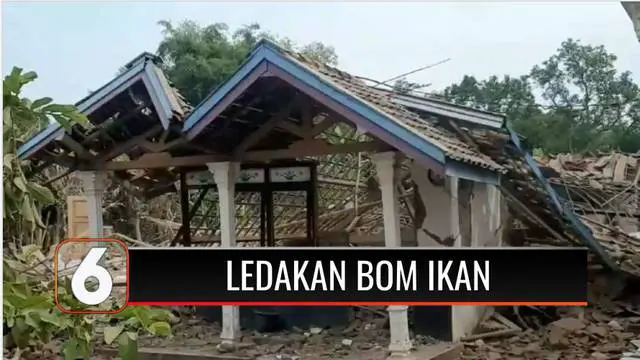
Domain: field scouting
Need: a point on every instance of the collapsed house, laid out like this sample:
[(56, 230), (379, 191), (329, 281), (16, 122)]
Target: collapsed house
[(603, 188), (604, 192), (314, 156)]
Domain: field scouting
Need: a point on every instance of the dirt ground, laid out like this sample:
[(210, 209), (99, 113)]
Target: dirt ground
[(606, 329), (366, 338)]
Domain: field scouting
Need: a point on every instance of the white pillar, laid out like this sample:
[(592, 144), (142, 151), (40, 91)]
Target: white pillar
[(225, 174), (400, 342), (387, 178), (93, 183)]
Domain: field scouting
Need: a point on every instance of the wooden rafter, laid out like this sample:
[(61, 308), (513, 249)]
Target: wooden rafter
[(264, 130), (77, 148), (297, 150), (129, 144)]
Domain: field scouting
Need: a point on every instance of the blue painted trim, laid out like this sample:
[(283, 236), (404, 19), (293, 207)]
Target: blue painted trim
[(85, 104), (44, 138), (155, 90), (199, 113), (161, 95), (268, 53), (39, 140), (400, 131), (472, 173), (583, 231)]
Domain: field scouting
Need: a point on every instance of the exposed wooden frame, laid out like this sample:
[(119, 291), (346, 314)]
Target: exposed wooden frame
[(259, 134), (466, 137), (185, 229), (162, 146), (78, 149), (323, 126), (307, 116), (130, 144), (295, 129), (300, 149), (187, 213)]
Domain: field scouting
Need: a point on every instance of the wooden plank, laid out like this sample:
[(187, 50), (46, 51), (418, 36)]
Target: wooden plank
[(77, 217), (323, 126), (164, 160), (163, 146), (259, 134), (129, 144), (466, 137), (185, 230), (78, 149), (340, 182), (523, 208), (619, 169), (294, 129)]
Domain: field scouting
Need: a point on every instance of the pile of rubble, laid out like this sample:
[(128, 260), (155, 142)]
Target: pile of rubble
[(597, 336), (608, 329), (614, 168), (604, 192), (366, 337)]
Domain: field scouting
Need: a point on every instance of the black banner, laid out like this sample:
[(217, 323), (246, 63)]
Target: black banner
[(412, 276)]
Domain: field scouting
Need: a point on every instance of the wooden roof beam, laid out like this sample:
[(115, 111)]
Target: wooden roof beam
[(129, 144), (78, 149), (264, 130), (297, 150)]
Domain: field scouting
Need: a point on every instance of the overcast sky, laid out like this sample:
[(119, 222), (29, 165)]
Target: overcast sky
[(77, 47)]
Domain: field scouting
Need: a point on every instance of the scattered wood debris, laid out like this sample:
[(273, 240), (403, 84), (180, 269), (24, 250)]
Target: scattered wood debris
[(608, 329), (498, 326)]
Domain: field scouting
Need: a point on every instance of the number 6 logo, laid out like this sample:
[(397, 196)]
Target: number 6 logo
[(89, 268), (93, 272)]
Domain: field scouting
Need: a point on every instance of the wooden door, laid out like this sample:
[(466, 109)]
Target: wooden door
[(77, 217)]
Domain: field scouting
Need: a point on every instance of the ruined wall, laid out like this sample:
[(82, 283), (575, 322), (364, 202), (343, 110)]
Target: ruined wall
[(435, 226), (487, 213), (481, 212)]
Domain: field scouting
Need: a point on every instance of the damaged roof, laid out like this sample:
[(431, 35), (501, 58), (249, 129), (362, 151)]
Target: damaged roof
[(376, 107), (408, 128), (168, 102)]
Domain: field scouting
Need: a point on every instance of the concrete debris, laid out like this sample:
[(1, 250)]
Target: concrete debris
[(608, 330), (366, 337), (569, 324), (615, 325)]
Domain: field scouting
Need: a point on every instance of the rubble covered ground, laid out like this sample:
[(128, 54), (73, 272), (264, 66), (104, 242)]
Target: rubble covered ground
[(609, 328), (366, 337), (601, 190)]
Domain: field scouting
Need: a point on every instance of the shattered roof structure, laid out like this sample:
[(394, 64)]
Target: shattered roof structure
[(605, 185), (604, 191), (139, 120)]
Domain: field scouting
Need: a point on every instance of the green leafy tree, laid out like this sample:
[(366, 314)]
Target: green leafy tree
[(199, 58), (600, 107), (23, 197), (581, 96)]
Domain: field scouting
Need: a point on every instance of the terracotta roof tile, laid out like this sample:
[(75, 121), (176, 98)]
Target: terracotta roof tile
[(449, 143)]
